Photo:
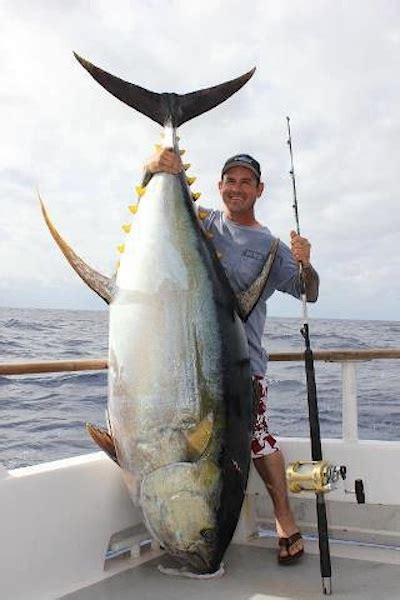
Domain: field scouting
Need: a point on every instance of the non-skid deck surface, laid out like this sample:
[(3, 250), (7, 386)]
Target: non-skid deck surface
[(252, 573)]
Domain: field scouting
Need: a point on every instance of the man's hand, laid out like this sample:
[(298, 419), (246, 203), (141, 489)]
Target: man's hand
[(164, 161), (301, 248)]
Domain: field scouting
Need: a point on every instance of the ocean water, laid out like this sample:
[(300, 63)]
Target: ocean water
[(42, 417)]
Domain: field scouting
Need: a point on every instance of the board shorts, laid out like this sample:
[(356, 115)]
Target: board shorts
[(262, 443)]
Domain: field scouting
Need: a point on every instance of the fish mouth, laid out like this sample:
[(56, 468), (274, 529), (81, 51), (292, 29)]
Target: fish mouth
[(202, 558), (199, 562), (199, 558)]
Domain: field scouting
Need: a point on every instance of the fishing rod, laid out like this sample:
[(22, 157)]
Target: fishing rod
[(319, 467)]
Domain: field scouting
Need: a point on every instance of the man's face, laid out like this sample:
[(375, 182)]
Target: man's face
[(239, 190)]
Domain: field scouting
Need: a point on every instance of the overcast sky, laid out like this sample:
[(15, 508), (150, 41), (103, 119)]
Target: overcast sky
[(332, 66)]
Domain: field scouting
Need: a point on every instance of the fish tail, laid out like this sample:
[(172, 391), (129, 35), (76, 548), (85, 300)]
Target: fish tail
[(165, 107)]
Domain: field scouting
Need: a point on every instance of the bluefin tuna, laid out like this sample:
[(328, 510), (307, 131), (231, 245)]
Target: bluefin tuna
[(180, 394)]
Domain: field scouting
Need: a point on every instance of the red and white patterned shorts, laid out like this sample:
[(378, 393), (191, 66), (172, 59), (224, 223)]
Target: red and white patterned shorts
[(263, 443)]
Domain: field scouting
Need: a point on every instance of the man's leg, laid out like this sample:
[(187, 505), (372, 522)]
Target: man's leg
[(270, 464), (271, 468)]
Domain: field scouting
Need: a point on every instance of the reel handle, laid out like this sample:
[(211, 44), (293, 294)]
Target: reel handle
[(359, 491)]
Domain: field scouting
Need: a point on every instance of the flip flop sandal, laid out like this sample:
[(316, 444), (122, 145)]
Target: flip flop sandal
[(288, 543)]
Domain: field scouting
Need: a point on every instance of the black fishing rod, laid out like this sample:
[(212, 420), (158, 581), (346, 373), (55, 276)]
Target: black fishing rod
[(315, 434)]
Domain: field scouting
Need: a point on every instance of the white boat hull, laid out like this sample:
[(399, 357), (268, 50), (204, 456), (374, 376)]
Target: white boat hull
[(58, 518)]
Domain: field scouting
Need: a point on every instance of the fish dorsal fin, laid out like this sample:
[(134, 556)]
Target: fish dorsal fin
[(199, 437), (249, 298), (103, 439), (102, 285), (165, 107)]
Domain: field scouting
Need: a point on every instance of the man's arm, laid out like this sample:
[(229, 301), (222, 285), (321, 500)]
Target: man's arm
[(311, 282), (301, 250)]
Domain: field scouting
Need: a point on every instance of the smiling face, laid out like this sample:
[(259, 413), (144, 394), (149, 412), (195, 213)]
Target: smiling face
[(239, 190)]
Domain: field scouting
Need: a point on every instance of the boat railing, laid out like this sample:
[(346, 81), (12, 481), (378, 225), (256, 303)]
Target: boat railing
[(349, 359), (86, 478)]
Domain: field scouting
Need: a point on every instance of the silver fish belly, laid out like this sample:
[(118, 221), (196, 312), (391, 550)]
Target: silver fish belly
[(165, 351), (166, 385)]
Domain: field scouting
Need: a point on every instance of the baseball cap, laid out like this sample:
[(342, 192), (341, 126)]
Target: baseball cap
[(243, 160)]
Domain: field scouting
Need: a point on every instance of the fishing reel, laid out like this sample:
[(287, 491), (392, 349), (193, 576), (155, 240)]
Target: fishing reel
[(320, 476)]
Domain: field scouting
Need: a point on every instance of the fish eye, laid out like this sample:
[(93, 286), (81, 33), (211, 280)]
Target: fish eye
[(209, 535)]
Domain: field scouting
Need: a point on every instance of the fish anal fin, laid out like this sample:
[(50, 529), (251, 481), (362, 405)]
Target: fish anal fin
[(103, 439), (247, 299), (198, 437)]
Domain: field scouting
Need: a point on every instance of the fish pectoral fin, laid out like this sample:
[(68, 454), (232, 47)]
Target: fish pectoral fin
[(248, 298), (103, 439), (199, 437)]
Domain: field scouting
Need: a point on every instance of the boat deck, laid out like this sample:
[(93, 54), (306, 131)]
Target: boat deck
[(252, 573)]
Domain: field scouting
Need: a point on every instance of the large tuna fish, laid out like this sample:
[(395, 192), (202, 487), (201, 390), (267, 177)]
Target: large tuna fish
[(180, 393)]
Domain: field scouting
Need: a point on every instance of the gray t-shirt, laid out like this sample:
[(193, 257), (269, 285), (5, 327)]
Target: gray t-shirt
[(244, 250)]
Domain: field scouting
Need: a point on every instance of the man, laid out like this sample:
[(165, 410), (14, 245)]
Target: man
[(243, 244)]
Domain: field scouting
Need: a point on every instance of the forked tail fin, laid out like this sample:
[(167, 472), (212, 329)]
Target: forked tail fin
[(165, 107)]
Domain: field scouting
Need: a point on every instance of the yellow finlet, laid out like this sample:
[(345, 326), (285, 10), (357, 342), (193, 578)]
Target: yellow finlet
[(140, 191), (219, 255), (199, 438), (158, 147), (202, 214), (191, 180), (187, 166), (182, 152), (121, 248), (127, 227), (208, 235), (196, 196), (133, 208)]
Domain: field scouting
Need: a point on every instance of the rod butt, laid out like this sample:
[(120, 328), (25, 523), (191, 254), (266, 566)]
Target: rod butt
[(327, 586)]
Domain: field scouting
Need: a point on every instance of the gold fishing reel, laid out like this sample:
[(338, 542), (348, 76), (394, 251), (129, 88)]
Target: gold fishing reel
[(313, 476), (320, 476)]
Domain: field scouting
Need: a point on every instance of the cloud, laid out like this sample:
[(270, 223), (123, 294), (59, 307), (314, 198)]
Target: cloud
[(331, 66)]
